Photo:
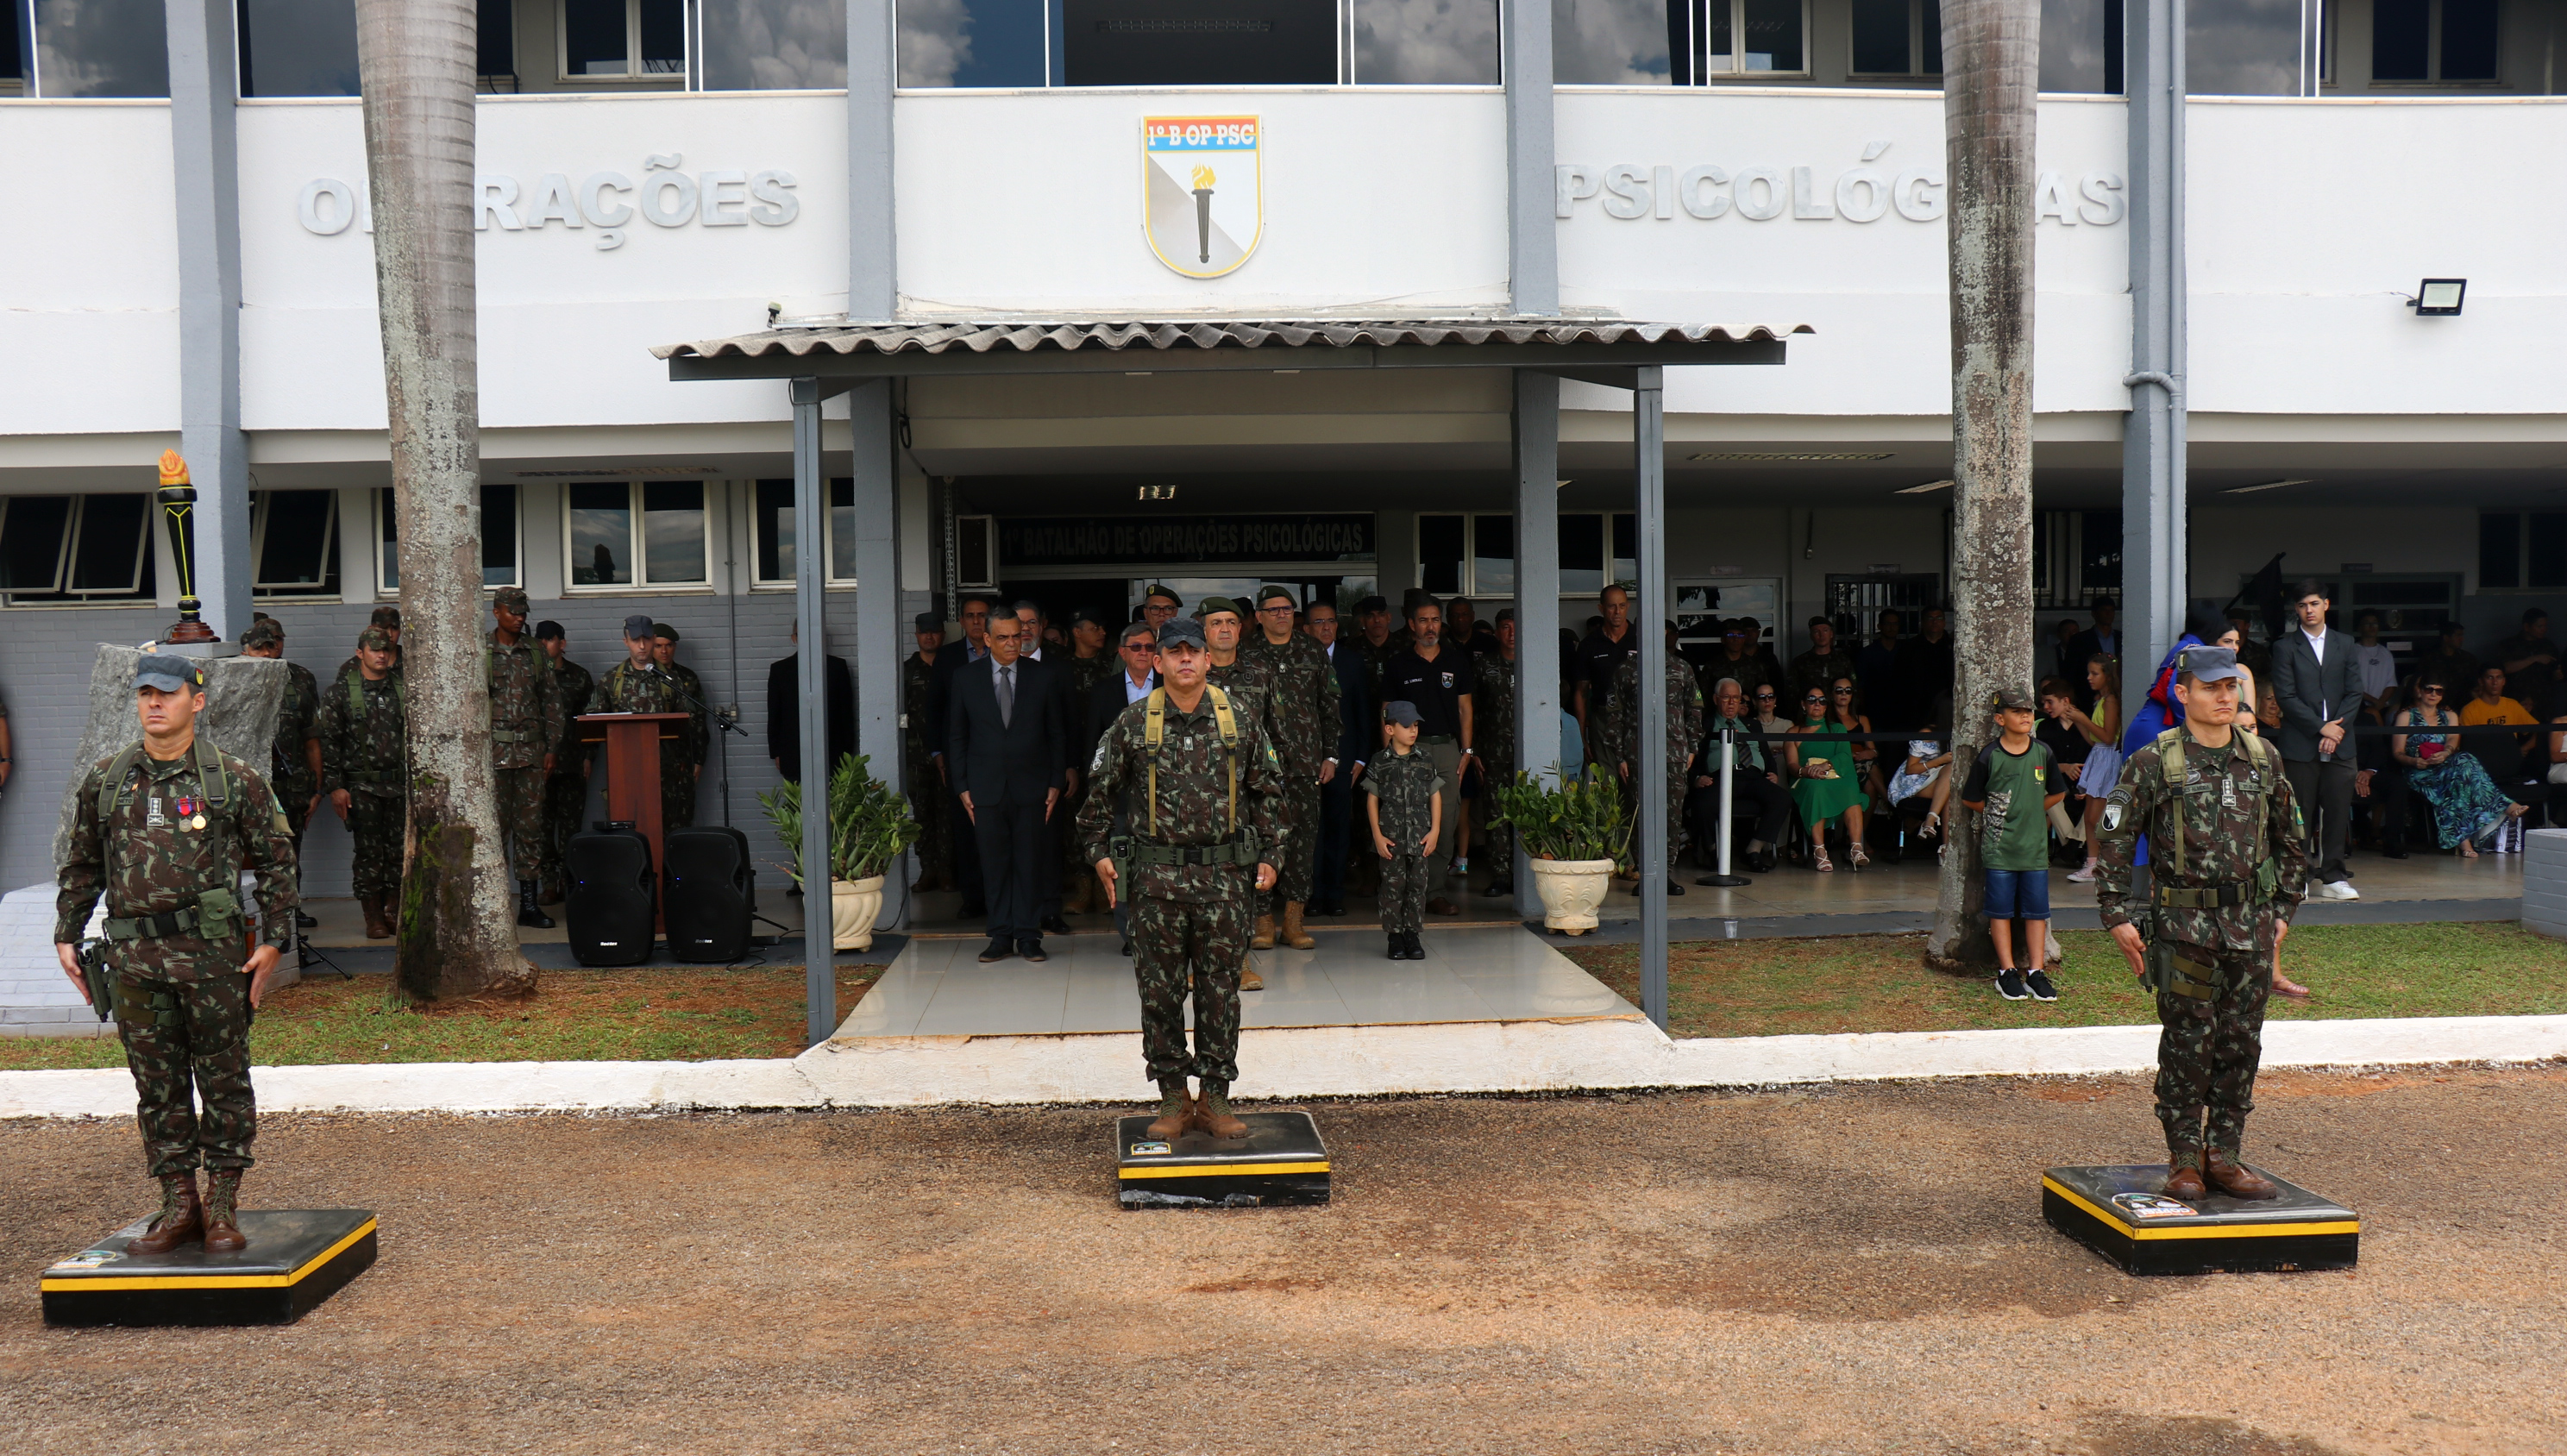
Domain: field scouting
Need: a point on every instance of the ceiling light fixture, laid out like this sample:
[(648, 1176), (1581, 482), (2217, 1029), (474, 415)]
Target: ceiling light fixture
[(611, 473), (1926, 488), (1772, 457), (2268, 485)]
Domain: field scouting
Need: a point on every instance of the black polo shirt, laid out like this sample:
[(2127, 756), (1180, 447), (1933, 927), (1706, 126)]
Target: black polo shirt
[(1597, 657), (1435, 687)]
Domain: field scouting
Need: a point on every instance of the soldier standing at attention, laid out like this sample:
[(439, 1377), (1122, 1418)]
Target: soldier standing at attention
[(164, 828), (1684, 735), (918, 743), (1301, 712), (1198, 782), (2227, 867), (699, 726), (635, 685), (364, 764), (566, 786), (1404, 801), (387, 617), (294, 766), (1493, 713), (1244, 679), (526, 725)]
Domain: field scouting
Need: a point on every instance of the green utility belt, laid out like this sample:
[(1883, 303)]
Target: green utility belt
[(215, 913), (2176, 971), (2211, 897), (1240, 851)]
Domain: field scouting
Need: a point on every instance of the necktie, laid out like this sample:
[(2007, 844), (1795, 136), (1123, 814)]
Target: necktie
[(1007, 697)]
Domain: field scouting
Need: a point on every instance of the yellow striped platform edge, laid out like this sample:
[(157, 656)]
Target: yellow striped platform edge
[(1222, 1170), (105, 1283), (2273, 1228)]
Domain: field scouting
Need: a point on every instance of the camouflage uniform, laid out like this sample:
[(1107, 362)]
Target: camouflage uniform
[(290, 768), (1621, 741), (181, 1003), (1303, 716), (1492, 727), (1189, 923), (526, 724), (361, 728), (624, 690), (2212, 1021), (925, 791), (566, 790), (700, 738), (1406, 783)]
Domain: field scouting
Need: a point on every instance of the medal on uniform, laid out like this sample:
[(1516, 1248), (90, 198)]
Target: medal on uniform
[(187, 815)]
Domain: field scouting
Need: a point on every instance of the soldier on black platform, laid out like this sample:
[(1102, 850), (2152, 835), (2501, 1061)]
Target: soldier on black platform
[(526, 724), (635, 685), (163, 829), (566, 787), (364, 763), (700, 724), (2227, 867), (1198, 782), (294, 764)]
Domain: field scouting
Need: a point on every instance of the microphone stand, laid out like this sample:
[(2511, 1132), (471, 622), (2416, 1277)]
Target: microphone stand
[(724, 726)]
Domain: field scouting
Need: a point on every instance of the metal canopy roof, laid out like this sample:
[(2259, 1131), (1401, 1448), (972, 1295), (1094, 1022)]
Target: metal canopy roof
[(1580, 347)]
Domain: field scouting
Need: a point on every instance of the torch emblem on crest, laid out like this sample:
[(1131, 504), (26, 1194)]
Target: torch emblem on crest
[(1203, 207)]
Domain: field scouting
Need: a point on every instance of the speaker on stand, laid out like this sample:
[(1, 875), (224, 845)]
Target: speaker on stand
[(613, 896), (713, 889)]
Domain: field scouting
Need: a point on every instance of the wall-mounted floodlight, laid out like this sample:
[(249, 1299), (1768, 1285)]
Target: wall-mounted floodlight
[(2438, 298)]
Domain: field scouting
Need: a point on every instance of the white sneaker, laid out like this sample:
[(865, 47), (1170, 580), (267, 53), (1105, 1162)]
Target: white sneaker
[(2084, 875), (2340, 890)]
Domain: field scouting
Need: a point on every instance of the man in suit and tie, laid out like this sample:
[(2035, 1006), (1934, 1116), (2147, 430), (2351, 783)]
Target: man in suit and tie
[(1006, 744), (1354, 731), (975, 612), (2318, 680)]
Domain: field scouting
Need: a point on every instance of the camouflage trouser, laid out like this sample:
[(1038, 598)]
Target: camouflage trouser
[(1301, 846), (376, 821), (519, 794), (294, 801), (1404, 879), (1676, 836), (927, 806), (184, 1040), (1179, 946), (677, 789), (565, 800), (1495, 844), (2207, 1050)]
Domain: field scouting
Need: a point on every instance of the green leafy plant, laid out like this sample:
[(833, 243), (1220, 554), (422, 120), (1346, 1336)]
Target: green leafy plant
[(869, 821), (1564, 816)]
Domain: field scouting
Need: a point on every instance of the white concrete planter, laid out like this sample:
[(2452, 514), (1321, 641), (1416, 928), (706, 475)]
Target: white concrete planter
[(1570, 891), (854, 905)]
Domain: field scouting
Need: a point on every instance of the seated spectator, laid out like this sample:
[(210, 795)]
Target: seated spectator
[(1766, 704), (1820, 765), (1845, 709), (2502, 754), (2468, 806), (2380, 780), (1923, 784), (2530, 658), (2378, 663), (1875, 668), (1756, 784), (2556, 777)]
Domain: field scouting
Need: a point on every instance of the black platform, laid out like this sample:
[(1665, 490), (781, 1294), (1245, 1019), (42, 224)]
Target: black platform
[(1280, 1161), (2121, 1213), (296, 1259)]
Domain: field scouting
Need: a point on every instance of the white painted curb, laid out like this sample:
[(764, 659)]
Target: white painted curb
[(1286, 1062)]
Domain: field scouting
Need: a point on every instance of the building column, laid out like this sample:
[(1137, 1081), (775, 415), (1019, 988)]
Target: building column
[(880, 641), (1649, 463), (873, 60), (204, 87), (811, 665), (1533, 252), (1537, 451), (2153, 590)]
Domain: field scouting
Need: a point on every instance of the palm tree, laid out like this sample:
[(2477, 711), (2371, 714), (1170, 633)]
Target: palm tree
[(1991, 66), (416, 67)]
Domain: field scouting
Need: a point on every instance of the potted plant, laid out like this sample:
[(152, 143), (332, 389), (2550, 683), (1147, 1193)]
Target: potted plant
[(1575, 830), (869, 830)]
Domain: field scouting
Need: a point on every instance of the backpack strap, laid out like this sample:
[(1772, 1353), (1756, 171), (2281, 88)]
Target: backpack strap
[(2170, 759), (1154, 733), (1229, 725), (111, 786)]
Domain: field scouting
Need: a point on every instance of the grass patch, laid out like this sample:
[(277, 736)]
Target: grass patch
[(645, 1014), (1877, 983)]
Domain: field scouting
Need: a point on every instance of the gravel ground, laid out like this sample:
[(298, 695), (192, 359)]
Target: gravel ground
[(1854, 1270)]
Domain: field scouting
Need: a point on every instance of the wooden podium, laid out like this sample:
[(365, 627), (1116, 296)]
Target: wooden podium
[(631, 743)]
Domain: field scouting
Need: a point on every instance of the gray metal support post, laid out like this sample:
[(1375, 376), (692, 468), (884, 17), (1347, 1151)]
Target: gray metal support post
[(811, 661), (879, 639), (1536, 447), (204, 88), (2153, 548), (1649, 618), (1533, 253), (873, 60)]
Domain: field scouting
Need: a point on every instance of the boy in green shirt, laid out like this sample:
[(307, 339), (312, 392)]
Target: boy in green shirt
[(2012, 788)]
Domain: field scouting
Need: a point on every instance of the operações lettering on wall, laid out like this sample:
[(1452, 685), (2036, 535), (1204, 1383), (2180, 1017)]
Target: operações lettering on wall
[(607, 201)]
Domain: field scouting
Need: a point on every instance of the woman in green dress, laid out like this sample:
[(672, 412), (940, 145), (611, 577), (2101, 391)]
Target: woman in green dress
[(1826, 782)]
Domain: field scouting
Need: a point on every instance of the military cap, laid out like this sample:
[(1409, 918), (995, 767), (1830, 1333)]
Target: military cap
[(1181, 630), (262, 634), (1159, 591), (374, 639), (513, 598), (1267, 594), (1084, 615), (2209, 664), (928, 621), (386, 616), (636, 628), (2010, 700), (662, 629), (1372, 604), (1402, 712), (549, 630), (168, 674), (1210, 605)]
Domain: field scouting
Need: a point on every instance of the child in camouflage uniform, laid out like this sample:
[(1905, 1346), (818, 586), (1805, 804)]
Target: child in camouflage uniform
[(1406, 806)]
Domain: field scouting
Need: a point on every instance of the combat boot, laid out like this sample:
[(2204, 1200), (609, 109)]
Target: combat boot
[(377, 928), (1264, 940), (182, 1219), (2186, 1182), (1213, 1115), (1176, 1111), (222, 1212), (1293, 935), (1248, 980), (528, 913), (2234, 1178)]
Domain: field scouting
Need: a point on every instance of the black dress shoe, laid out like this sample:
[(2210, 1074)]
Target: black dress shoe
[(1054, 925), (1031, 949), (305, 922), (997, 950), (1127, 948)]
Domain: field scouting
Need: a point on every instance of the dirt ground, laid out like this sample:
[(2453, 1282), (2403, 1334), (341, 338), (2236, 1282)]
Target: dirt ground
[(1849, 1270)]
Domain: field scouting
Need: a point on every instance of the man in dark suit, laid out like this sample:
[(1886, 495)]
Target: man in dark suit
[(949, 666), (1006, 743), (785, 712), (2101, 638), (1354, 733), (2319, 684)]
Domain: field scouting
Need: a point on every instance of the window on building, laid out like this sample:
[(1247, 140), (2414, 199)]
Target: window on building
[(13, 49), (2519, 549), (2098, 554), (1422, 42), (1677, 42), (1898, 37), (773, 528), (2433, 40), (96, 48), (74, 548), (1073, 43), (2249, 48), (294, 543), (639, 39), (974, 43), (1471, 554), (975, 551), (499, 540), (298, 46), (772, 45), (629, 533), (1587, 565), (2081, 46)]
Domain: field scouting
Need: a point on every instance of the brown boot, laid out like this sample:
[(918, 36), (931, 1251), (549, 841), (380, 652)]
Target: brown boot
[(1213, 1115), (2186, 1184), (1264, 940), (2234, 1178), (378, 928), (1176, 1113), (1293, 935), (182, 1219), (1248, 980), (222, 1212)]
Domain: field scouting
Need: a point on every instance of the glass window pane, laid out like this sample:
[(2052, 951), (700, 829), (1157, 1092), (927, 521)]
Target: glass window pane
[(1719, 37), (1627, 548), (496, 41), (1881, 37), (2242, 48), (2499, 550), (2468, 40), (294, 544), (1492, 556), (663, 37), (1195, 43), (108, 557), (2548, 538), (774, 531), (500, 535), (842, 530), (1439, 553), (1773, 39), (2099, 563), (601, 534), (33, 534), (13, 58), (594, 40), (972, 43), (1582, 555), (102, 48), (1609, 43), (2081, 45), (1929, 37), (775, 44), (298, 48), (2401, 40), (1425, 42), (673, 528), (388, 539)]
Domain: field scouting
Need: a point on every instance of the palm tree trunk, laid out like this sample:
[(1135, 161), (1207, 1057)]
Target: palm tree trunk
[(1991, 64), (415, 61)]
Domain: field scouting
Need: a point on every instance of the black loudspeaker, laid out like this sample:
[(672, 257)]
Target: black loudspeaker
[(712, 889), (612, 897)]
